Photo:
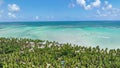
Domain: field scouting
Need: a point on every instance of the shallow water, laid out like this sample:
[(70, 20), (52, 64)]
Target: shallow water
[(104, 34)]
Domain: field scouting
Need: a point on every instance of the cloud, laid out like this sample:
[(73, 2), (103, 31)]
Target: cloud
[(94, 4), (37, 17), (106, 2), (108, 10), (109, 6), (13, 7), (102, 8), (113, 12), (88, 7), (11, 15), (81, 2)]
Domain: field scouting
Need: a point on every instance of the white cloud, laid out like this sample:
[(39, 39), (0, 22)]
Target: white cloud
[(11, 15), (109, 6), (107, 10), (96, 3), (113, 12), (88, 7), (37, 17), (81, 2), (13, 7), (106, 2)]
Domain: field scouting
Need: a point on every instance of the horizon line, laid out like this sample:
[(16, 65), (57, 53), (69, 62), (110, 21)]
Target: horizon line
[(60, 21)]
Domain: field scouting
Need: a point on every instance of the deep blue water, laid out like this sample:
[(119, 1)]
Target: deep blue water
[(68, 23)]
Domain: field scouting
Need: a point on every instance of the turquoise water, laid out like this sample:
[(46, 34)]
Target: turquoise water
[(106, 34)]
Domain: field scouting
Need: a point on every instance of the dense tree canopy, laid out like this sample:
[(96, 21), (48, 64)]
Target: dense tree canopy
[(28, 53)]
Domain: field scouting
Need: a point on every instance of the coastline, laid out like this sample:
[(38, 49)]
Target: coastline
[(105, 37)]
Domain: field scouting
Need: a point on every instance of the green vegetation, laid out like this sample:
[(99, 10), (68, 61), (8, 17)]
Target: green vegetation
[(28, 53)]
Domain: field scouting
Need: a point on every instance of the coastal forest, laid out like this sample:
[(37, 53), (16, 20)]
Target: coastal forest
[(29, 53)]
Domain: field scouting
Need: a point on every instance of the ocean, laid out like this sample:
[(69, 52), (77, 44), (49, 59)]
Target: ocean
[(105, 34)]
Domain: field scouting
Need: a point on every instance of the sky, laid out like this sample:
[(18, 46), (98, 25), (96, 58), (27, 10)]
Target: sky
[(59, 10)]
